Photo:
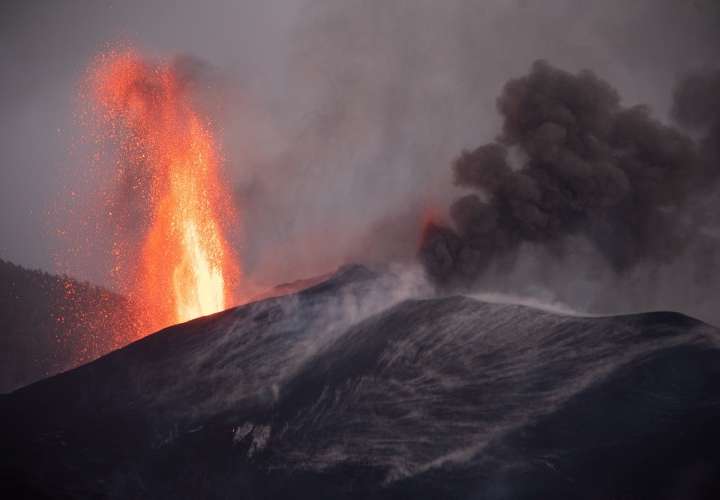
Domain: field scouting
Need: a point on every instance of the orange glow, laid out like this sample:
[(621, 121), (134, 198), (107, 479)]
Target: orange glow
[(182, 266), (430, 215)]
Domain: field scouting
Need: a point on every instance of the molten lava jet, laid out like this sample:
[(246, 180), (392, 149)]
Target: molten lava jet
[(181, 265)]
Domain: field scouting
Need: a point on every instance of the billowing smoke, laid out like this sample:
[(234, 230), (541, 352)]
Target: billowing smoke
[(571, 160), (697, 106)]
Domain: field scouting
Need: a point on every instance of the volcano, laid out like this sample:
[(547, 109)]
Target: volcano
[(347, 390)]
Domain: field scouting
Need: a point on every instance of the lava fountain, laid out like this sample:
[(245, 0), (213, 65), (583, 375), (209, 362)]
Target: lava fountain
[(180, 265)]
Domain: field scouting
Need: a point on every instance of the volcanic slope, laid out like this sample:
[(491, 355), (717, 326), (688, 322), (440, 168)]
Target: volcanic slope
[(347, 390)]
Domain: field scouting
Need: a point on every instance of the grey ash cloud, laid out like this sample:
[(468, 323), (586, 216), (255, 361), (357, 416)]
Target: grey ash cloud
[(572, 160), (697, 106)]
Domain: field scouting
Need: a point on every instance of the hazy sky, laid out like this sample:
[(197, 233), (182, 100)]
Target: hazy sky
[(338, 118)]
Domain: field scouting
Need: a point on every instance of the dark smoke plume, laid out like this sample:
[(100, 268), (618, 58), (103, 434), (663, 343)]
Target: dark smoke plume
[(697, 106), (572, 161)]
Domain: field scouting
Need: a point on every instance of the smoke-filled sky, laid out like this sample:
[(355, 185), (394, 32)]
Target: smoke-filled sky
[(339, 120)]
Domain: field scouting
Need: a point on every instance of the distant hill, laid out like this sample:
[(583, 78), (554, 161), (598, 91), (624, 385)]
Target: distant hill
[(51, 323)]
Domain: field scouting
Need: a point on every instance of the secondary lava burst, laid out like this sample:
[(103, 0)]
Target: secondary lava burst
[(180, 264)]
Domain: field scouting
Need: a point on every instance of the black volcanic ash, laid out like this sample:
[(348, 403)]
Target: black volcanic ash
[(571, 160)]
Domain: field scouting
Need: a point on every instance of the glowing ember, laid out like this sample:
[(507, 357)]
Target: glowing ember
[(183, 264)]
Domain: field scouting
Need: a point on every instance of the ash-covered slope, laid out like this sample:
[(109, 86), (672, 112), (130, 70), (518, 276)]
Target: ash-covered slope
[(342, 391)]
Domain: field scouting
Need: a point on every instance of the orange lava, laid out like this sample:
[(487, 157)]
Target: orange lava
[(183, 266)]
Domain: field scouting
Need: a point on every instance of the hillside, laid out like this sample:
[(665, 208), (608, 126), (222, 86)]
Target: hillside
[(51, 323), (346, 390)]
